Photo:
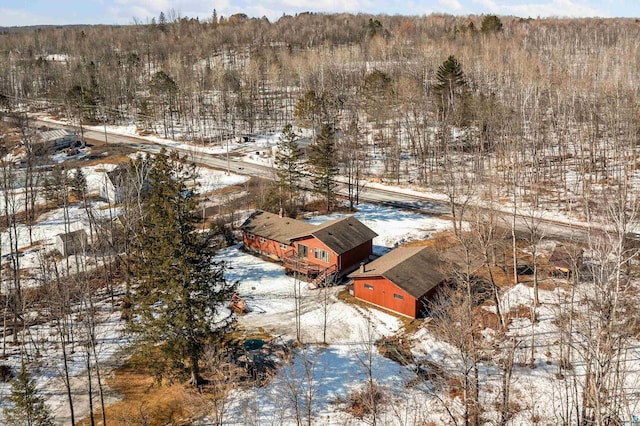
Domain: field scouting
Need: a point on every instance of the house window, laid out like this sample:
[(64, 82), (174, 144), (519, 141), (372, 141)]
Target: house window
[(250, 236), (321, 255), (368, 287), (283, 246), (398, 296), (303, 251), (263, 240)]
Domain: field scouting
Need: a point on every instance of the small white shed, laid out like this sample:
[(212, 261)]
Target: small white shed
[(74, 242)]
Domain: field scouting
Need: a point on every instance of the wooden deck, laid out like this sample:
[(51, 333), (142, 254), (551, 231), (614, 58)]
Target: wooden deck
[(318, 275), (303, 266)]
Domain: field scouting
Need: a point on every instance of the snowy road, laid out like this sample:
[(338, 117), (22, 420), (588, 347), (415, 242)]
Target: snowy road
[(392, 197)]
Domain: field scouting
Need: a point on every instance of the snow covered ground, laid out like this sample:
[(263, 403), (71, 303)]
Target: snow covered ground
[(210, 180), (394, 227), (260, 150), (338, 367), (41, 340), (46, 362)]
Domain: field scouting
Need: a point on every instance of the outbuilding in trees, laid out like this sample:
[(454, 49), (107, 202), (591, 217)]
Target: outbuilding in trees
[(74, 242)]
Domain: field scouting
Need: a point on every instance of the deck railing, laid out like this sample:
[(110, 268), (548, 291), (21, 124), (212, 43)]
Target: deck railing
[(302, 265)]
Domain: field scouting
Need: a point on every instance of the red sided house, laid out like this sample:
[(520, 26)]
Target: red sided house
[(401, 280), (320, 252)]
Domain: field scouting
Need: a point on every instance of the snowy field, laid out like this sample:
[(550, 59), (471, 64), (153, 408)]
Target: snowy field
[(43, 353), (342, 366), (42, 344), (338, 367), (394, 227), (261, 150)]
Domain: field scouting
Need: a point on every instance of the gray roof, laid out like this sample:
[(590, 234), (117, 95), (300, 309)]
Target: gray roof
[(78, 236), (416, 270), (52, 135), (274, 227), (344, 234)]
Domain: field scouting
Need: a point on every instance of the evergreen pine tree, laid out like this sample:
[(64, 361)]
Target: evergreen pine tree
[(56, 185), (178, 285), (162, 22), (451, 85), (79, 184), (308, 109), (288, 165), (323, 163), (491, 24), (28, 407)]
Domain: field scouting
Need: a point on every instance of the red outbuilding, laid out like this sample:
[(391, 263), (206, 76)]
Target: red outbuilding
[(402, 280), (319, 252)]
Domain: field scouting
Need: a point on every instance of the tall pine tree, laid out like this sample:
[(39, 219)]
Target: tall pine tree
[(451, 86), (178, 285), (79, 185), (323, 164), (288, 166)]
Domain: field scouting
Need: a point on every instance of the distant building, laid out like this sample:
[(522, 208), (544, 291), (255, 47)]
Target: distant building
[(320, 252), (114, 185), (123, 179), (403, 280), (59, 139), (74, 242)]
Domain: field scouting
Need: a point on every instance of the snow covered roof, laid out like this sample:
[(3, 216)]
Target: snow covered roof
[(416, 270)]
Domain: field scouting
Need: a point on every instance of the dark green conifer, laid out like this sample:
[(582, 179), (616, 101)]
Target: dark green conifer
[(178, 286), (323, 164), (288, 165), (28, 407)]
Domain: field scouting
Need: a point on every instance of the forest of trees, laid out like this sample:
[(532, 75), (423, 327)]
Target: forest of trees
[(536, 115), (429, 97)]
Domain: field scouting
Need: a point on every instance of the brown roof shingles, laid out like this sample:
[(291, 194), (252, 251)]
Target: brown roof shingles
[(416, 270), (340, 235), (274, 227)]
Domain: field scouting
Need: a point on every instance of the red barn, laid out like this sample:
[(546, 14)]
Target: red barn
[(320, 252), (401, 280)]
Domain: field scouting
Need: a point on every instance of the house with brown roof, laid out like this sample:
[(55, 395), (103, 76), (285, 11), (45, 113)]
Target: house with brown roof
[(319, 252), (402, 280)]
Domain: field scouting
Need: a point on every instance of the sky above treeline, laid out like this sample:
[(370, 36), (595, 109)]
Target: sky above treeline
[(61, 12)]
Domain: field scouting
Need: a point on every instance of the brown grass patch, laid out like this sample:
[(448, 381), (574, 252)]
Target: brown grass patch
[(146, 403), (441, 240), (225, 190), (547, 284), (485, 319), (501, 278), (520, 311), (319, 206)]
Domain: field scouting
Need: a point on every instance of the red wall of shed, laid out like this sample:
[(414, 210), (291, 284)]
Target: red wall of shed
[(382, 295)]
